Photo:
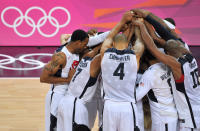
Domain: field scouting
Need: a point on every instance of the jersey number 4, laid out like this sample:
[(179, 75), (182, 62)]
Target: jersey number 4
[(195, 78), (119, 71)]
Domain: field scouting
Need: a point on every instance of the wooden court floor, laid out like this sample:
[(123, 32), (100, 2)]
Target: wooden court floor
[(22, 105)]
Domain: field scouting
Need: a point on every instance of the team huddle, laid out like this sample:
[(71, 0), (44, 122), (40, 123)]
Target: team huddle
[(115, 74)]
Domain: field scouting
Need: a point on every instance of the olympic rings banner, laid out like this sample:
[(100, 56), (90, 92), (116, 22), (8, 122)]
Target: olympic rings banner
[(29, 63), (41, 22)]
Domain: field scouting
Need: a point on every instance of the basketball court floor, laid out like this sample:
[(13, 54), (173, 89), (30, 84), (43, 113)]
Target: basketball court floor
[(22, 104)]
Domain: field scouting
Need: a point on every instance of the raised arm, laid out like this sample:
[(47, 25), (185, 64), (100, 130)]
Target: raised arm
[(129, 32), (138, 46), (64, 38), (153, 34), (97, 39), (57, 62), (166, 59), (92, 32), (108, 41), (161, 28)]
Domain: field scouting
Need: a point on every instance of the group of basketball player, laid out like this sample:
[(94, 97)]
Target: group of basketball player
[(110, 73)]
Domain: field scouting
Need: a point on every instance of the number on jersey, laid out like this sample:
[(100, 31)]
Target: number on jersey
[(78, 71), (119, 71), (195, 78), (170, 85)]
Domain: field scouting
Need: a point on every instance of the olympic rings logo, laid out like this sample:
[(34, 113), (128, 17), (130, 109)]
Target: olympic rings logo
[(18, 21), (9, 60)]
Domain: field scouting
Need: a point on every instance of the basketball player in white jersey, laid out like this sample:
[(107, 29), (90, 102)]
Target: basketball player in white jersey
[(156, 82), (119, 67), (72, 111), (185, 71), (59, 72), (95, 106)]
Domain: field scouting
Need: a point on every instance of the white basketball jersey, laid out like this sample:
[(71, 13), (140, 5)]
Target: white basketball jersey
[(157, 79), (187, 93), (82, 84), (72, 62), (119, 71)]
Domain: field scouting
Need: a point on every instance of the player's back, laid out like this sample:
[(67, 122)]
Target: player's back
[(160, 94), (119, 71), (187, 92), (82, 84)]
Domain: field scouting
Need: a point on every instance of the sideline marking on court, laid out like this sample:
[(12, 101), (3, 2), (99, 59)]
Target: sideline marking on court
[(19, 78)]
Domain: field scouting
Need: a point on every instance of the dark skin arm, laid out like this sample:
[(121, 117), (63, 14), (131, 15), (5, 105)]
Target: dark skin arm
[(93, 52), (58, 61), (129, 32), (164, 24), (95, 66), (153, 34), (166, 59)]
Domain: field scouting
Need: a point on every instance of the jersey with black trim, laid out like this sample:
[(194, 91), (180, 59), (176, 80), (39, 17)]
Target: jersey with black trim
[(187, 93), (157, 82), (119, 72), (82, 84), (72, 62)]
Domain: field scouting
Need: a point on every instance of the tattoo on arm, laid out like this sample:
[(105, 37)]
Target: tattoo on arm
[(55, 62), (48, 69), (59, 55)]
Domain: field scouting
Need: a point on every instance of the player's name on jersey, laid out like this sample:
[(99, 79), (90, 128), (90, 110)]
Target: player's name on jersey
[(165, 76), (119, 58), (192, 65), (83, 64)]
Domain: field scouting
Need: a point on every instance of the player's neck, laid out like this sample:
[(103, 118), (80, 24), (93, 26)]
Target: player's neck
[(70, 48), (120, 47)]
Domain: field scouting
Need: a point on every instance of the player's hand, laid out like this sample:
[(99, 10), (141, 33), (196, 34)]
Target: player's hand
[(127, 17), (124, 28), (64, 38), (138, 22), (140, 13), (92, 32)]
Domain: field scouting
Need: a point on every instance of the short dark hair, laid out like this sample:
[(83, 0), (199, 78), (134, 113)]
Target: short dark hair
[(171, 20), (79, 35)]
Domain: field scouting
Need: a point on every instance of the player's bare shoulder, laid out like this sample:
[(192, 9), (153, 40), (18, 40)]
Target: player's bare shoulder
[(57, 61), (60, 58)]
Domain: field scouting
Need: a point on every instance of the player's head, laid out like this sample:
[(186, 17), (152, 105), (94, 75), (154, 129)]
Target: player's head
[(170, 23), (171, 20), (80, 38), (174, 48), (120, 41)]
